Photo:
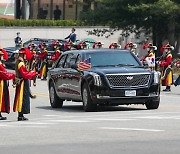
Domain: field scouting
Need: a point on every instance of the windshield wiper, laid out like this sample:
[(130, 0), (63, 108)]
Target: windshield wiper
[(125, 65), (104, 65)]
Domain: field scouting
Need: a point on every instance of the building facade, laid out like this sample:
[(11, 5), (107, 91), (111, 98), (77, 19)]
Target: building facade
[(51, 9)]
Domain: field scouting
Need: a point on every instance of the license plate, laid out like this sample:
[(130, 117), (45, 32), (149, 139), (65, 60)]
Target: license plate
[(130, 93)]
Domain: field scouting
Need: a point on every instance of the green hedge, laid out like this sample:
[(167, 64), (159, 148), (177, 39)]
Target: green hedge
[(40, 23)]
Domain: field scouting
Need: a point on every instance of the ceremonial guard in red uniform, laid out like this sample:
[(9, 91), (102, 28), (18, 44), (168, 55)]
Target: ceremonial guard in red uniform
[(132, 47), (32, 64), (82, 45), (69, 46), (97, 45), (114, 45), (44, 62), (57, 51), (22, 94), (165, 64), (149, 58), (4, 90), (32, 61)]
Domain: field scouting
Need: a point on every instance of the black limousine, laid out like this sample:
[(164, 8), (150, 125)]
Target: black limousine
[(103, 77)]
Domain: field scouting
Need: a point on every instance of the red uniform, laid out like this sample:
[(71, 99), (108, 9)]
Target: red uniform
[(56, 55), (4, 90), (167, 74), (43, 66), (97, 45), (114, 45), (22, 95)]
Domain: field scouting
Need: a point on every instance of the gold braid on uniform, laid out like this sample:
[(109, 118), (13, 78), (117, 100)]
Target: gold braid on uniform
[(17, 80)]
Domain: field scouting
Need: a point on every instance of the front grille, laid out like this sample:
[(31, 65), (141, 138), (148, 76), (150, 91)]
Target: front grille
[(127, 80)]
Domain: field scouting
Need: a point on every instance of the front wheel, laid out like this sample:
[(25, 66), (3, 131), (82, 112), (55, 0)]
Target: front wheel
[(87, 101), (152, 104), (55, 101)]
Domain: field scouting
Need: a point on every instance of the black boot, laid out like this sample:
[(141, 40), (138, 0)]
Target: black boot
[(168, 88), (21, 117), (32, 96)]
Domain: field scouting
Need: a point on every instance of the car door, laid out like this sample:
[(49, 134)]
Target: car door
[(74, 78), (60, 78)]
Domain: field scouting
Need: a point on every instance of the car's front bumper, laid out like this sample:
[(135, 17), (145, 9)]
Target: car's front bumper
[(101, 95)]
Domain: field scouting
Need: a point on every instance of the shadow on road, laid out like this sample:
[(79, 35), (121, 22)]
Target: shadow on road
[(79, 108)]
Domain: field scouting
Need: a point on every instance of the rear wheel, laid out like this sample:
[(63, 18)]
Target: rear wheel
[(87, 101), (152, 104), (55, 101)]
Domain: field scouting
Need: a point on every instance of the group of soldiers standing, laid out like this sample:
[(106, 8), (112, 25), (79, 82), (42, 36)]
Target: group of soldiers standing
[(163, 64), (31, 65), (28, 66)]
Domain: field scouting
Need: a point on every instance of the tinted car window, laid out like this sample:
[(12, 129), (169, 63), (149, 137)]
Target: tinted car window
[(61, 61), (113, 58), (73, 60), (78, 59), (67, 63)]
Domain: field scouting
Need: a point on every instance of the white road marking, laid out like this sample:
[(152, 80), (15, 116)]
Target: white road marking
[(108, 119), (34, 123), (158, 117), (107, 114), (132, 129), (73, 121)]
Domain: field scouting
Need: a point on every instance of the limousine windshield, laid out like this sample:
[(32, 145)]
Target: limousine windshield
[(99, 59)]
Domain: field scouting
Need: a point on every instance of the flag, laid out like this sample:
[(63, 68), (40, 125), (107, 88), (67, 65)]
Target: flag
[(85, 64), (150, 61)]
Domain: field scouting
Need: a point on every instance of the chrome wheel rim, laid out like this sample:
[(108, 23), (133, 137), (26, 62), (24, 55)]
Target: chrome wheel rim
[(52, 95), (85, 99)]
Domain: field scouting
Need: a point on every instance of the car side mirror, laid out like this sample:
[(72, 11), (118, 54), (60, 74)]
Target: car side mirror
[(74, 66), (145, 64)]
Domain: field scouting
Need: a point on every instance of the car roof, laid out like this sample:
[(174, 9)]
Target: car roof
[(96, 51)]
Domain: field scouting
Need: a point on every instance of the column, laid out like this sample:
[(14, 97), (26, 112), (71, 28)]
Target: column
[(17, 9)]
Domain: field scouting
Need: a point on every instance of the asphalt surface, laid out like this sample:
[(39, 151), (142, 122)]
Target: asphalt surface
[(111, 130)]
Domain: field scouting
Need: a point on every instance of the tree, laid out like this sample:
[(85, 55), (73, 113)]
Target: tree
[(159, 17)]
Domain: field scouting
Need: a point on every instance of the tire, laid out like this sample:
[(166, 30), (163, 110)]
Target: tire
[(87, 101), (55, 101), (153, 104)]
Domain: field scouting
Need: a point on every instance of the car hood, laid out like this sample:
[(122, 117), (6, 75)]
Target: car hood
[(119, 70)]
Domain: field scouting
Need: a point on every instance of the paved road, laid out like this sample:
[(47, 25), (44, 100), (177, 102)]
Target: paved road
[(112, 130)]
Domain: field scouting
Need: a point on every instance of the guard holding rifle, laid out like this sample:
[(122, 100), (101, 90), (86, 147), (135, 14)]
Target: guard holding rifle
[(21, 82), (43, 62), (4, 90), (165, 64)]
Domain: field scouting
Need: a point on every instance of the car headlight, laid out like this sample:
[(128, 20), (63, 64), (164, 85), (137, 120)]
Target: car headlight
[(97, 79), (156, 77)]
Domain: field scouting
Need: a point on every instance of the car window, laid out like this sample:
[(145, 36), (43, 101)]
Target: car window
[(61, 61), (67, 63), (112, 58), (78, 59), (73, 60)]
